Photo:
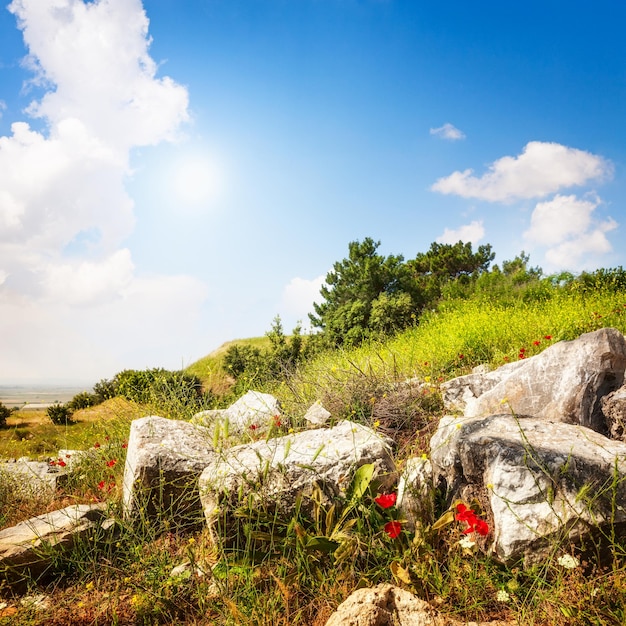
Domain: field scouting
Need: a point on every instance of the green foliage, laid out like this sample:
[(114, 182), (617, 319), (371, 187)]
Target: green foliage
[(84, 400), (5, 413), (368, 294), (351, 288), (60, 414), (255, 367), (157, 385), (105, 390)]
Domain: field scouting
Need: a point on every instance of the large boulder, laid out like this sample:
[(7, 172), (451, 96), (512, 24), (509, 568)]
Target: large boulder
[(254, 410), (163, 461), (272, 474), (614, 409), (28, 549), (542, 483), (457, 392), (32, 478), (565, 383), (387, 605)]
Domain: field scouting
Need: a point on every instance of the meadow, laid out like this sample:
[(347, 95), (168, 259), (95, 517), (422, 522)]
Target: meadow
[(275, 574)]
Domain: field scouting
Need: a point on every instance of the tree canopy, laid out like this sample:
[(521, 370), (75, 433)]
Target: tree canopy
[(368, 293)]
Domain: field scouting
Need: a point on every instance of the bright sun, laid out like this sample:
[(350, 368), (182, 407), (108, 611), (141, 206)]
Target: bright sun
[(196, 181)]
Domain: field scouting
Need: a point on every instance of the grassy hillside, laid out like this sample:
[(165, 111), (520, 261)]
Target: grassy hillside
[(273, 578)]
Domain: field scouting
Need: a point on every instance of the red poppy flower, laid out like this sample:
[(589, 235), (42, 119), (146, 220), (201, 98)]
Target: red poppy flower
[(536, 343), (101, 484), (474, 523), (53, 463), (461, 356), (463, 514), (61, 463), (253, 427), (385, 500), (522, 350), (393, 529), (547, 337), (481, 527), (96, 445), (111, 463), (124, 445)]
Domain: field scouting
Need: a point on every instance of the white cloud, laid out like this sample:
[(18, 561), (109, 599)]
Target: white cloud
[(69, 286), (298, 298), (448, 131), (542, 168), (581, 252), (472, 232), (566, 227)]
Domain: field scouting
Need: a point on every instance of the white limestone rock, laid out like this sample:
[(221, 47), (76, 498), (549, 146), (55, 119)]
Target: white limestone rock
[(540, 481), (274, 473), (416, 493), (253, 410), (388, 605), (565, 383), (317, 415), (28, 548), (163, 461)]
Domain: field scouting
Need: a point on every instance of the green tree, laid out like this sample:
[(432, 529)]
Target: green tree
[(5, 413), (447, 263), (351, 288)]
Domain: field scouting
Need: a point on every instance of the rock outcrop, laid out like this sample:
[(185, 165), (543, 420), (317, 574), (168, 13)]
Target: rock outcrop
[(387, 605), (163, 461), (543, 483), (28, 549), (564, 383), (275, 473)]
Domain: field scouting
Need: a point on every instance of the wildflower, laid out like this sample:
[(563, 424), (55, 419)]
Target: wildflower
[(547, 337), (96, 445), (61, 463), (568, 561), (393, 529), (521, 355), (89, 586), (67, 456), (101, 485), (52, 463), (506, 358), (107, 438), (111, 463), (386, 500), (467, 543), (253, 427), (125, 445), (536, 342), (277, 421), (522, 350), (376, 423), (474, 523), (461, 356), (503, 596)]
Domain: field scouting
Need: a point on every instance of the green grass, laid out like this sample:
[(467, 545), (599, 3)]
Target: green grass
[(297, 570)]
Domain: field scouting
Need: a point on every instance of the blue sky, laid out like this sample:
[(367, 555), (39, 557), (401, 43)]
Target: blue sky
[(175, 174)]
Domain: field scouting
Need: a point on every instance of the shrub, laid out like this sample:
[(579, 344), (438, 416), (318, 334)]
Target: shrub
[(84, 400), (60, 414), (5, 413)]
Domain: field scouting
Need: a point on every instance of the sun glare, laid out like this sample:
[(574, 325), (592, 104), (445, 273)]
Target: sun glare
[(197, 181)]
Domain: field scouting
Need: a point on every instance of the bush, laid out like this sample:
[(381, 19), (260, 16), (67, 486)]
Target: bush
[(5, 413), (84, 400), (60, 414)]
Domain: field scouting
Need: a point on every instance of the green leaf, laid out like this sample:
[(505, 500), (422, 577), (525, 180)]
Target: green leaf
[(444, 520), (361, 481), (322, 544)]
